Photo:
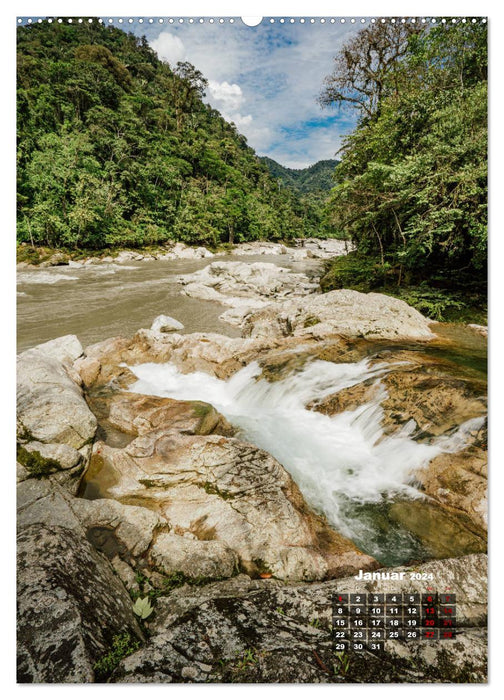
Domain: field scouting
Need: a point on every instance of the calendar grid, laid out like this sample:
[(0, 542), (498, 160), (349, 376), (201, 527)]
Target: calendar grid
[(367, 621)]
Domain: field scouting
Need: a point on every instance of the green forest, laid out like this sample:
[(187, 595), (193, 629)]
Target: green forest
[(316, 178), (411, 187), (115, 148)]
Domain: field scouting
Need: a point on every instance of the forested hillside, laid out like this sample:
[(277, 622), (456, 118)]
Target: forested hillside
[(117, 148), (312, 186), (318, 177), (412, 183)]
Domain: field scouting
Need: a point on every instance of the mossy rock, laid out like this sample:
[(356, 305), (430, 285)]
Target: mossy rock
[(37, 465)]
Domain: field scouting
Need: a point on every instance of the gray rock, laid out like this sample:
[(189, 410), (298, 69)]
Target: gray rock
[(67, 457), (180, 251), (67, 348), (193, 557), (44, 502), (165, 324), (133, 527), (245, 286), (249, 631), (50, 404), (70, 606), (342, 311)]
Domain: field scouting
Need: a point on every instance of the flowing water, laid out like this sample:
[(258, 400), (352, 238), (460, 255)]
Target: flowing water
[(346, 467), (96, 302)]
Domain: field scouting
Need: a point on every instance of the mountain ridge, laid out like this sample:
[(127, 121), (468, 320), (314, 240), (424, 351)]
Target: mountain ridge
[(314, 178)]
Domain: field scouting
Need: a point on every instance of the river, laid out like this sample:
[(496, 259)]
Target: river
[(96, 302), (371, 470)]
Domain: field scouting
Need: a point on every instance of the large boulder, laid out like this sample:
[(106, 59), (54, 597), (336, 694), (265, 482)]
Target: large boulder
[(70, 606), (221, 489), (343, 311), (51, 407)]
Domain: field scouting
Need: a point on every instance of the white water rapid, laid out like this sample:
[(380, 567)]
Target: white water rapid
[(339, 462)]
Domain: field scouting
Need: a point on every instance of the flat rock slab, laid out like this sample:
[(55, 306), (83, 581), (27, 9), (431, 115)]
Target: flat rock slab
[(343, 311)]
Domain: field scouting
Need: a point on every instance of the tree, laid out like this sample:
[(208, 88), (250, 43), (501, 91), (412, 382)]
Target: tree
[(188, 88), (412, 184), (367, 66), (116, 148)]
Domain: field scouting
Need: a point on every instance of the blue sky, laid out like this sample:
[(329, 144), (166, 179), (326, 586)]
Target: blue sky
[(265, 79)]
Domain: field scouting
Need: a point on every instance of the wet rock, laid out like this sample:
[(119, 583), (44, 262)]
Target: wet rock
[(166, 324), (250, 631), (70, 606), (459, 483), (348, 399), (437, 404), (418, 391), (442, 533), (50, 404), (343, 311)]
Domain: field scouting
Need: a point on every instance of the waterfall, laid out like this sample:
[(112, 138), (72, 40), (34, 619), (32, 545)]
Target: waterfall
[(341, 463)]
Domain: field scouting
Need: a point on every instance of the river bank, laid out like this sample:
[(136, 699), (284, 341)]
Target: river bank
[(237, 480), (39, 256)]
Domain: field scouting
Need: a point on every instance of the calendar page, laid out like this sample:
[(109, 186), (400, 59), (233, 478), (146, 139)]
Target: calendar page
[(252, 336)]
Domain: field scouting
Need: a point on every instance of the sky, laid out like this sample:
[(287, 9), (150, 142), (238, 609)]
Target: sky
[(265, 79)]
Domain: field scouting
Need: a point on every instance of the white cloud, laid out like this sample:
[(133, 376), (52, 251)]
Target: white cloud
[(228, 99), (169, 48), (229, 95), (266, 80)]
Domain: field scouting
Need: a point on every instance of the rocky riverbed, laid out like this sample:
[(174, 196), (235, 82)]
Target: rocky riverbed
[(156, 465), (307, 248)]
